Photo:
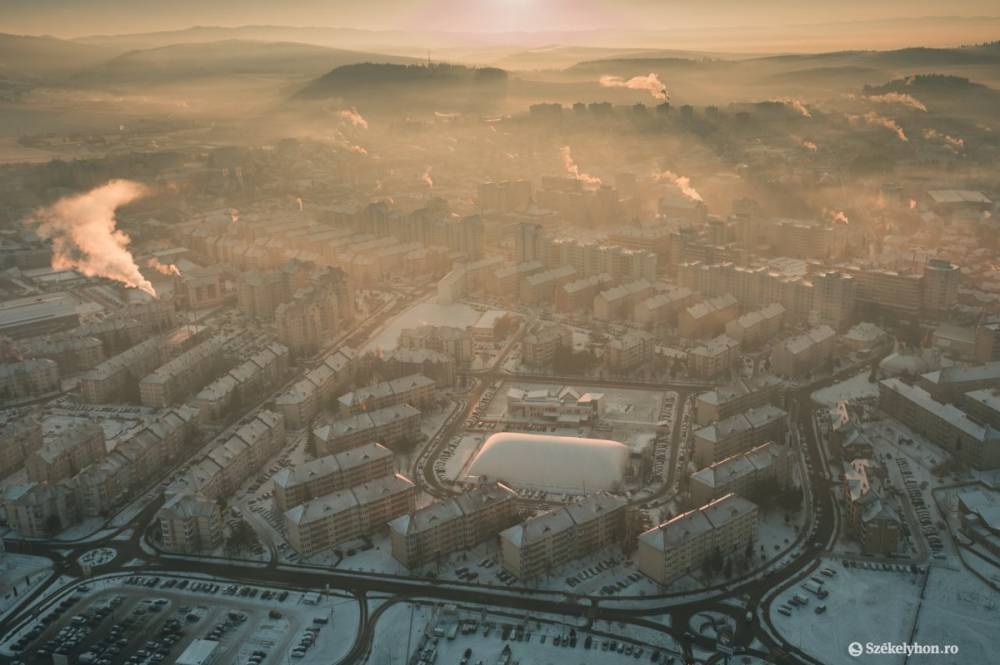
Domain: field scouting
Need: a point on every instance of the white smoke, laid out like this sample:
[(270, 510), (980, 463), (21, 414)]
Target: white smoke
[(837, 215), (650, 83), (575, 171), (808, 145), (795, 104), (426, 177), (85, 237), (682, 183), (358, 149), (951, 141), (877, 120), (354, 117), (165, 268), (899, 98), (298, 200), (234, 215)]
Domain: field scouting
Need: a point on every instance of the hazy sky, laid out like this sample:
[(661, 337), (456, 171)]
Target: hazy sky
[(69, 18)]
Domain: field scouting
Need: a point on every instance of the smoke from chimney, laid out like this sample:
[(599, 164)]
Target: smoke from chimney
[(682, 183), (574, 170), (906, 100), (951, 141), (164, 268), (795, 104), (877, 120), (354, 117), (234, 215), (85, 237), (426, 177), (650, 83)]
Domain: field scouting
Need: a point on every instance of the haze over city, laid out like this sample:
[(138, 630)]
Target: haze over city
[(499, 331)]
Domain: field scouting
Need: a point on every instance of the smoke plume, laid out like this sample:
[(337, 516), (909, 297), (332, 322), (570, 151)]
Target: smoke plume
[(85, 237), (682, 183), (358, 149), (837, 215), (808, 145), (795, 104), (426, 177), (574, 170), (899, 98), (234, 215), (650, 83), (877, 120), (947, 139), (354, 117), (298, 200), (164, 268)]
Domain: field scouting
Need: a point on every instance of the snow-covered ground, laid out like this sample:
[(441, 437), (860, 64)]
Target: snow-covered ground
[(98, 557), (959, 609), (19, 574), (856, 387), (403, 629), (862, 606), (426, 313)]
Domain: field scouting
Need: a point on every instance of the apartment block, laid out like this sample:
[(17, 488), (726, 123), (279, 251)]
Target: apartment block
[(765, 467), (348, 514), (869, 519), (683, 544), (546, 542), (630, 351), (538, 348), (756, 327), (707, 318), (66, 453), (433, 364), (190, 523), (737, 434), (325, 475), (735, 398), (28, 378), (449, 340), (663, 308), (19, 438), (39, 510), (946, 425), (713, 358), (797, 356), (245, 383), (300, 403), (458, 523), (416, 390), (392, 425), (185, 374), (618, 303)]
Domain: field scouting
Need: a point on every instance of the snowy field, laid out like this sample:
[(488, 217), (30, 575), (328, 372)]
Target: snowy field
[(863, 606), (959, 609), (427, 313)]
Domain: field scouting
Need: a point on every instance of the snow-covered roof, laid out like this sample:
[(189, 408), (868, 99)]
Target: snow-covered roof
[(540, 460)]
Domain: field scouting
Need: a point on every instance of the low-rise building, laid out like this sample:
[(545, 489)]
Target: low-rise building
[(869, 519), (39, 510), (565, 405), (458, 523), (724, 528)]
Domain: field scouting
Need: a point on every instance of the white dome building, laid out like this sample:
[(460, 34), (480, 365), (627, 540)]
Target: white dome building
[(556, 463)]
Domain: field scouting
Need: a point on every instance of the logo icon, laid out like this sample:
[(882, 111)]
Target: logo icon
[(855, 649)]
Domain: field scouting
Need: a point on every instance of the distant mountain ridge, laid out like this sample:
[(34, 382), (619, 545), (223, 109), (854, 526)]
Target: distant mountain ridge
[(379, 77)]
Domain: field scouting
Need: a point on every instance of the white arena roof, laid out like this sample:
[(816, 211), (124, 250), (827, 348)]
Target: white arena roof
[(562, 463)]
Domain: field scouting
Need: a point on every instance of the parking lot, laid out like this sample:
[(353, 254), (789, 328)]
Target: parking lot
[(146, 620)]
